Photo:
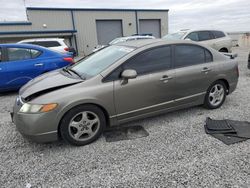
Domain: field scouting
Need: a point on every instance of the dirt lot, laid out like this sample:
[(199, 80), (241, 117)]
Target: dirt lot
[(177, 152)]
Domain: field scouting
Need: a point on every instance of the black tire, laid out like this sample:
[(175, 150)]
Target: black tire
[(207, 102), (65, 129)]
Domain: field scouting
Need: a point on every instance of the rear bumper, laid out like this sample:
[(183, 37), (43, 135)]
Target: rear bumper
[(232, 87)]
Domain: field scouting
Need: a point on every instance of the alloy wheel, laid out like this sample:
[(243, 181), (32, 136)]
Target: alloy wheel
[(84, 125), (216, 95)]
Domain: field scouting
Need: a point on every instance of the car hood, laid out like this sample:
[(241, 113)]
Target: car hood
[(46, 83)]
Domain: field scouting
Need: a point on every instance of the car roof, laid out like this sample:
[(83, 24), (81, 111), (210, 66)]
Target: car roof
[(42, 39), (141, 43), (23, 46), (136, 37), (193, 30)]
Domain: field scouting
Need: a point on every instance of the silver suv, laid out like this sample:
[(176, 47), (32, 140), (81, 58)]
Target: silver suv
[(216, 39)]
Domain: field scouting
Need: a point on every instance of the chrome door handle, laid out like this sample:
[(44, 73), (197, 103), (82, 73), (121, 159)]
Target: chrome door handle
[(165, 78), (38, 64)]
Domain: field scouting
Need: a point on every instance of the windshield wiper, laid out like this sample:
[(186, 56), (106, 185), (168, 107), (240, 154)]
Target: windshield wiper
[(66, 70), (76, 73)]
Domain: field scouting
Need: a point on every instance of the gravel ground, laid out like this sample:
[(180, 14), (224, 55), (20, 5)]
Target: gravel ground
[(177, 152)]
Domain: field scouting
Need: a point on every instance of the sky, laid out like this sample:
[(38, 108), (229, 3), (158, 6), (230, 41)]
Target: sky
[(227, 15)]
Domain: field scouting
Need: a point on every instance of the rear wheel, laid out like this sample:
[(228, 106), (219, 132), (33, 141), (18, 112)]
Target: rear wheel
[(82, 125), (216, 95)]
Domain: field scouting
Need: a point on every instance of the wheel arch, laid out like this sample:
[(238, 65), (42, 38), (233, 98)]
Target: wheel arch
[(226, 83), (223, 49), (104, 110)]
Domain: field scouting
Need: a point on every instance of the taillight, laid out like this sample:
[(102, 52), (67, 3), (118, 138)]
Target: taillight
[(66, 49), (69, 59)]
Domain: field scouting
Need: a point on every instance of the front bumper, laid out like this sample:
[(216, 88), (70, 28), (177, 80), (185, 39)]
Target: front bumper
[(38, 127)]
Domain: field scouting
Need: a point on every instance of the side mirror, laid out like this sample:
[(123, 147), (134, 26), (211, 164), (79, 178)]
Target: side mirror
[(129, 74)]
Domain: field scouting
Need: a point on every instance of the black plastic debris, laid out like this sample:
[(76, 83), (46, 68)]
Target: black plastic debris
[(241, 127), (125, 133), (228, 131), (218, 126), (228, 139)]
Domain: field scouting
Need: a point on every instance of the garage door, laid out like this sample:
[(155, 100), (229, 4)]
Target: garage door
[(108, 30), (151, 26)]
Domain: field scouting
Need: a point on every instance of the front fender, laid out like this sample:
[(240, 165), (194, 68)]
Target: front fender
[(93, 101)]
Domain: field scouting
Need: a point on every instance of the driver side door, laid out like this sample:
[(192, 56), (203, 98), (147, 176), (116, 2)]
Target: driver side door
[(151, 91)]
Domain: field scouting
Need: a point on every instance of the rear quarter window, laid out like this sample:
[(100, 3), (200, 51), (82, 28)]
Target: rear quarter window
[(218, 34), (35, 53), (209, 56)]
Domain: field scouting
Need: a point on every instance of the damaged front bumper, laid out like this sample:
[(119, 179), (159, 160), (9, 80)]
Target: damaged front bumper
[(39, 127)]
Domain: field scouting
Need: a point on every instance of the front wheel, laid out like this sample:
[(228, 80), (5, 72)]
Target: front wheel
[(216, 95), (82, 125)]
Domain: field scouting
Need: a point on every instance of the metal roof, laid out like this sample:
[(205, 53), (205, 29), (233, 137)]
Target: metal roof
[(36, 32), (93, 9)]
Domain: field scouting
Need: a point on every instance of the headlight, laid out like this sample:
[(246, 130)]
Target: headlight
[(35, 108)]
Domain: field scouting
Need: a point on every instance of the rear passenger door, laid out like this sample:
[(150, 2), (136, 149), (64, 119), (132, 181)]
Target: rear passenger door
[(194, 71), (23, 65)]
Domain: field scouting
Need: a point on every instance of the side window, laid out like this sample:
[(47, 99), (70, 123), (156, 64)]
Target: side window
[(218, 34), (35, 53), (186, 55), (152, 60), (204, 35), (15, 54), (193, 36), (46, 44)]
